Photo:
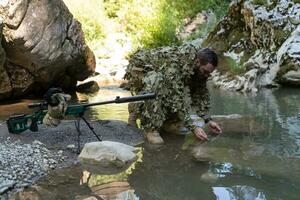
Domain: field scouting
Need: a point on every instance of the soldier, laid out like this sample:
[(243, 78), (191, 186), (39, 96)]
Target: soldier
[(178, 76), (57, 106)]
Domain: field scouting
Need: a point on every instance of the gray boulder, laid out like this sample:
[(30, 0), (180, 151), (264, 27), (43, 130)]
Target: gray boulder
[(44, 46), (88, 87), (107, 157), (5, 85)]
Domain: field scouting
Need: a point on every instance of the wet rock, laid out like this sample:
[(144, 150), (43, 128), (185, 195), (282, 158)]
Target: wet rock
[(205, 153), (88, 87), (34, 193), (79, 197), (113, 190), (110, 157), (209, 177), (239, 125)]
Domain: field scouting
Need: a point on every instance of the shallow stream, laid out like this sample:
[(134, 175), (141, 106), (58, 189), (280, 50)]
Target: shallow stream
[(257, 157)]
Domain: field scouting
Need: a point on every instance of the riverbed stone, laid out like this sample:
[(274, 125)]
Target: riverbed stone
[(6, 185), (88, 87), (109, 156), (209, 177)]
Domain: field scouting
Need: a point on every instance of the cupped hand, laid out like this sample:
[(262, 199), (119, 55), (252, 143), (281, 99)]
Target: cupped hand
[(214, 127), (200, 133)]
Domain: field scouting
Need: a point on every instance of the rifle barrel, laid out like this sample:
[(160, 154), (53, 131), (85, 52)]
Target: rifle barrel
[(123, 99), (43, 105)]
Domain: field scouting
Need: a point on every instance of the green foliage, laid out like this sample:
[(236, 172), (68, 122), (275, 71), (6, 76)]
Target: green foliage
[(150, 23), (260, 2), (227, 64), (91, 16), (112, 7)]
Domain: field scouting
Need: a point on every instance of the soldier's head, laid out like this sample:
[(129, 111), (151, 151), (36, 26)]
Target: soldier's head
[(206, 62)]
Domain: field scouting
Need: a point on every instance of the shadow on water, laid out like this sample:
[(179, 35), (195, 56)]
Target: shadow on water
[(257, 157)]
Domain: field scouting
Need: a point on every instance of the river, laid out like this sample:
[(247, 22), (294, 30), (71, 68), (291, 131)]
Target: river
[(257, 158)]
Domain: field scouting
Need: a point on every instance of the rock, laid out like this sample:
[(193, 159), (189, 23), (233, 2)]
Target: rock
[(88, 87), (6, 185), (39, 143), (205, 19), (291, 78), (22, 81), (108, 156), (289, 58), (257, 45), (44, 45), (209, 177), (239, 125), (71, 146), (205, 153), (5, 84), (34, 193), (112, 190), (80, 197)]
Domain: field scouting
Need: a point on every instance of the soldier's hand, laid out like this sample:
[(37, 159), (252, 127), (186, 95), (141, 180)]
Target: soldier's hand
[(200, 133), (214, 127)]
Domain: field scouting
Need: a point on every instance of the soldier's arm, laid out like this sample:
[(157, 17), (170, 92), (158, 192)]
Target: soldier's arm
[(201, 103)]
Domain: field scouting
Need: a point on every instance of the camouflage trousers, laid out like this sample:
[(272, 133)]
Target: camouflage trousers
[(169, 126)]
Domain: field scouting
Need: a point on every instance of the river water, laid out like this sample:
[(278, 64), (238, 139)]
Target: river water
[(257, 156)]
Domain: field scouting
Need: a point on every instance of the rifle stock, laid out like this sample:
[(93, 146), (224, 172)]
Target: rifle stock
[(20, 123)]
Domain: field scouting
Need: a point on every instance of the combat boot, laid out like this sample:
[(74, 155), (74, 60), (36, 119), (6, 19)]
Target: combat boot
[(153, 137)]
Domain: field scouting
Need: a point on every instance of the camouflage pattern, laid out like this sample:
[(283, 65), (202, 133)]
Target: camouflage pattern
[(56, 113), (169, 72)]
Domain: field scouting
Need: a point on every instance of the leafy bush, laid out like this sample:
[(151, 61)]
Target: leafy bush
[(91, 15), (260, 2), (150, 23)]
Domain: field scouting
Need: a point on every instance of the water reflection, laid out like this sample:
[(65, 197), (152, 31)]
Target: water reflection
[(238, 192), (112, 186)]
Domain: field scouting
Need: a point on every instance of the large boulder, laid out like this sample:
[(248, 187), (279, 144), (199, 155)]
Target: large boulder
[(258, 42), (5, 85), (44, 47)]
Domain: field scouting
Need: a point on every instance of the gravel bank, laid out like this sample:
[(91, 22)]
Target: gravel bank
[(22, 164), (26, 157)]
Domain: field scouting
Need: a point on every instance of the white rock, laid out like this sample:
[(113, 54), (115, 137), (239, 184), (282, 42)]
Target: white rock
[(107, 154)]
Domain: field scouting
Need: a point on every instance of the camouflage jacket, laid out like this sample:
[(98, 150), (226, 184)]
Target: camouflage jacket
[(169, 72)]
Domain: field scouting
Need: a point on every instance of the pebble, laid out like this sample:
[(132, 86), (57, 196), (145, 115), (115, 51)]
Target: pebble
[(22, 164)]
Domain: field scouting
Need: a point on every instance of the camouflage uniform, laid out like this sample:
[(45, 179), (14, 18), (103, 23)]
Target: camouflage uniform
[(56, 113), (169, 72)]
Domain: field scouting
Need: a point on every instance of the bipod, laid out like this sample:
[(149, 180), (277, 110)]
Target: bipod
[(77, 125)]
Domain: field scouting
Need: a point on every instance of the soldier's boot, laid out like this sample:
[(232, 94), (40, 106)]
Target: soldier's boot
[(132, 120), (153, 137)]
